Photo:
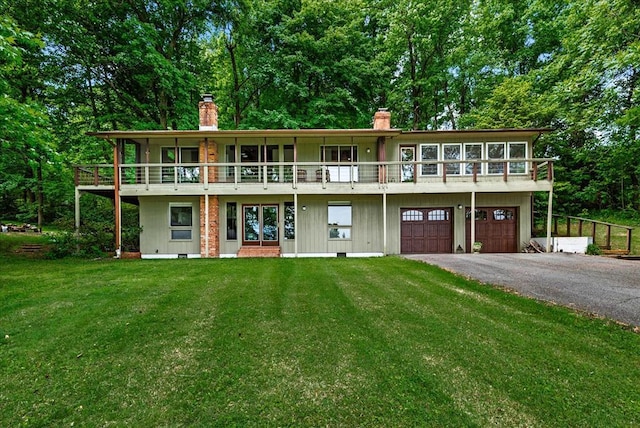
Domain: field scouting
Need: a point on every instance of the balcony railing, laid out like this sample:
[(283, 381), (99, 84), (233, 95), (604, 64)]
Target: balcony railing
[(307, 173)]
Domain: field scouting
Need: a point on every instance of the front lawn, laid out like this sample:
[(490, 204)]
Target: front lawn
[(308, 342)]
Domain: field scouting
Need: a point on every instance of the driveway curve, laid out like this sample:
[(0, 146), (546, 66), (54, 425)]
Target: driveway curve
[(598, 285)]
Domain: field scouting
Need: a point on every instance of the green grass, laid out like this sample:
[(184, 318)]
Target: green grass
[(308, 342), (11, 242)]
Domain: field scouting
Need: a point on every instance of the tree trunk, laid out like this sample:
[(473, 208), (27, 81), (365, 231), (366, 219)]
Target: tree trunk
[(40, 195), (415, 89), (237, 115)]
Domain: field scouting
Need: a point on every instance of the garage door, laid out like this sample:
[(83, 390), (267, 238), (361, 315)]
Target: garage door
[(496, 228), (426, 230)]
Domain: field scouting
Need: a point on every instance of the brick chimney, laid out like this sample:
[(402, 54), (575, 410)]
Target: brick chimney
[(208, 113), (382, 119)]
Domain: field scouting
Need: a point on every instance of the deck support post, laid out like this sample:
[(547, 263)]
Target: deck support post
[(472, 220), (77, 210), (549, 219), (295, 224), (117, 200), (384, 223)]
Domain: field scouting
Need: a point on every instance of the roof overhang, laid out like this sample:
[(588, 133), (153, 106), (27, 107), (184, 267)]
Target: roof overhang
[(526, 133), (262, 133), (435, 135)]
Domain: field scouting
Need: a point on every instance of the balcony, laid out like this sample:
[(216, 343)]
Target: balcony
[(309, 177)]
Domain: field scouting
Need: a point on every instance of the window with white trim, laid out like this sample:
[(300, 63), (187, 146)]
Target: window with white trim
[(472, 151), (428, 153), (517, 150), (452, 152), (495, 151), (181, 222), (340, 220)]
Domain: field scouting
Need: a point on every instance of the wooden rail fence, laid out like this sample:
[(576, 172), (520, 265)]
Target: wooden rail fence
[(592, 226)]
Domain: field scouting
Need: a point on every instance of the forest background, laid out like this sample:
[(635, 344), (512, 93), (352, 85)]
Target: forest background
[(68, 67)]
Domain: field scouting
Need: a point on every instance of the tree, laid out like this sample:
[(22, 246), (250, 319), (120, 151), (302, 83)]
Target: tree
[(24, 136)]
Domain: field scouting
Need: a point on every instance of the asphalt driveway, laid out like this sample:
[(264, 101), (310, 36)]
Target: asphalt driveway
[(598, 285)]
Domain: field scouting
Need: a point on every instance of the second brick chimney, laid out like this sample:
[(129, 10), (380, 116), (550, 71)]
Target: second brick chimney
[(208, 113), (382, 119)]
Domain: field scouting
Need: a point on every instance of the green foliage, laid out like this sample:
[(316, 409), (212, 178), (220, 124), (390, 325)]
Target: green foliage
[(68, 67), (593, 250), (91, 241)]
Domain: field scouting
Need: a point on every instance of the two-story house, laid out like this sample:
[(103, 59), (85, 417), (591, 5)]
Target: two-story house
[(322, 192)]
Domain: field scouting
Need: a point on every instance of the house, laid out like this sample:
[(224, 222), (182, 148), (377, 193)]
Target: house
[(322, 192)]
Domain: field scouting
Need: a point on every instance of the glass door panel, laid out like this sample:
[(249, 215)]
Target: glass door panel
[(251, 215), (269, 224), (260, 225)]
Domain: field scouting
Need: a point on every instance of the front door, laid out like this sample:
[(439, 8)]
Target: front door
[(260, 225)]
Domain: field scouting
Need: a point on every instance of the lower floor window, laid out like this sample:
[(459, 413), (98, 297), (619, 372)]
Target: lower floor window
[(232, 221), (289, 221), (339, 215), (181, 221)]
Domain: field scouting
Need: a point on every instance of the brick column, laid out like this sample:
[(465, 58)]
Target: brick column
[(213, 227), (209, 233), (209, 154)]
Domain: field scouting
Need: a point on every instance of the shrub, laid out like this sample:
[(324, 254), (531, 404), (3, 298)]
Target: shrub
[(93, 240), (593, 250)]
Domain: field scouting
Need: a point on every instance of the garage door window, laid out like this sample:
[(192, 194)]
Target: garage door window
[(502, 215), (412, 215), (480, 215), (438, 215)]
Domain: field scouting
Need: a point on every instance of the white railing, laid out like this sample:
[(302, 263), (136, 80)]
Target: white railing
[(313, 173)]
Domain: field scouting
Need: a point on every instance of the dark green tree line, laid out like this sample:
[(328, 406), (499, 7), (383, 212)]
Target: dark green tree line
[(73, 66)]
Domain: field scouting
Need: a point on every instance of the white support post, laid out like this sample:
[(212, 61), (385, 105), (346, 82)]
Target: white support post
[(77, 210), (549, 220), (384, 223), (118, 208), (473, 219), (295, 224)]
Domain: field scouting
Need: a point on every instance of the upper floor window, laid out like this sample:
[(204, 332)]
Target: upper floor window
[(338, 154), (180, 155), (495, 151), (452, 152), (429, 152), (517, 151), (472, 151)]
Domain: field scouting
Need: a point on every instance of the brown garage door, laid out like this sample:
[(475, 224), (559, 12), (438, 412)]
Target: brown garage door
[(496, 228), (426, 230)]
